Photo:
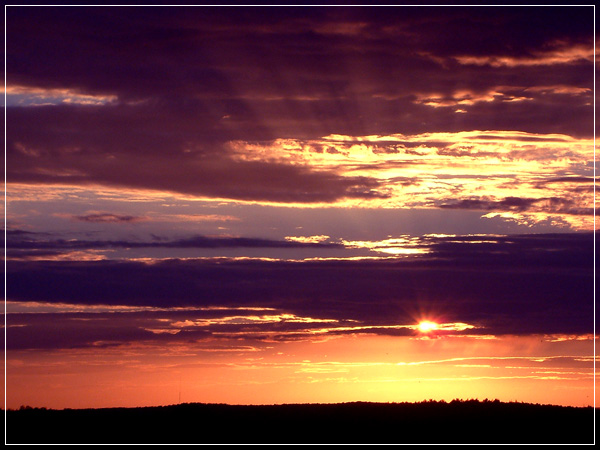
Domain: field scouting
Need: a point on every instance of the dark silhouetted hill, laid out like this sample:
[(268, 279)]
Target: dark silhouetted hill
[(459, 421)]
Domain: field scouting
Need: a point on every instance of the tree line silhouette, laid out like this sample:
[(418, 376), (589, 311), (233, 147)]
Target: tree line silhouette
[(430, 421)]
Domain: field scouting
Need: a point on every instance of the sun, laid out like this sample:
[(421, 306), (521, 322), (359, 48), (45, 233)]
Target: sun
[(426, 326)]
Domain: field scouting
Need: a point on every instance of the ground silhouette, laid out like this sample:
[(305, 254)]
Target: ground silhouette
[(458, 421)]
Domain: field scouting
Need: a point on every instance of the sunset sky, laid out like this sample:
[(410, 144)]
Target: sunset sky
[(258, 205)]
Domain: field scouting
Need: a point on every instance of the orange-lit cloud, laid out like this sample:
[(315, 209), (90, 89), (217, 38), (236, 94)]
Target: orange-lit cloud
[(561, 54), (394, 246), (307, 239), (430, 169)]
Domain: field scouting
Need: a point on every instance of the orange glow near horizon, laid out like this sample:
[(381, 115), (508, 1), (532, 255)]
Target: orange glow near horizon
[(355, 367)]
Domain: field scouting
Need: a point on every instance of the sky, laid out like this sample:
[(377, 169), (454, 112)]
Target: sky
[(261, 205)]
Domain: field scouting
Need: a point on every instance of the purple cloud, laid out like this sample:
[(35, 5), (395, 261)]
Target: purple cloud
[(529, 284)]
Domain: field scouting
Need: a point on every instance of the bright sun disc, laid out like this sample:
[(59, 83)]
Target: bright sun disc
[(425, 327)]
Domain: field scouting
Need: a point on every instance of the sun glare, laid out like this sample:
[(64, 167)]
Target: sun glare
[(426, 327)]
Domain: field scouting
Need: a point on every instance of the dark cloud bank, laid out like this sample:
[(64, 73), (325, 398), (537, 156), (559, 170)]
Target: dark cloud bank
[(528, 284), (23, 240), (186, 81), (556, 205)]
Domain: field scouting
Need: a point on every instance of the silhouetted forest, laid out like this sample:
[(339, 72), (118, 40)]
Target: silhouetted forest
[(458, 421)]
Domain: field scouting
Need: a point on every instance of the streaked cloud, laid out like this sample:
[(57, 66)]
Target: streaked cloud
[(562, 53), (395, 246), (103, 217), (307, 239), (476, 285), (36, 96)]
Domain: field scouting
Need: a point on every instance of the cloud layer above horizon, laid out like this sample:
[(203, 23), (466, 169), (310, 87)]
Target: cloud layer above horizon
[(389, 107), (477, 286)]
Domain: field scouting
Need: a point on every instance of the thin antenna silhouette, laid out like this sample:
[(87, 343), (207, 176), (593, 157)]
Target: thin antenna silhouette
[(180, 389)]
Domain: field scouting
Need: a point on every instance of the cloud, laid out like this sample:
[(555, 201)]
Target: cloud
[(479, 169), (276, 73), (554, 250), (32, 96), (570, 180), (242, 103), (138, 155), (108, 218), (528, 284), (551, 205), (307, 106), (560, 55), (307, 239), (541, 95), (38, 244), (157, 36)]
